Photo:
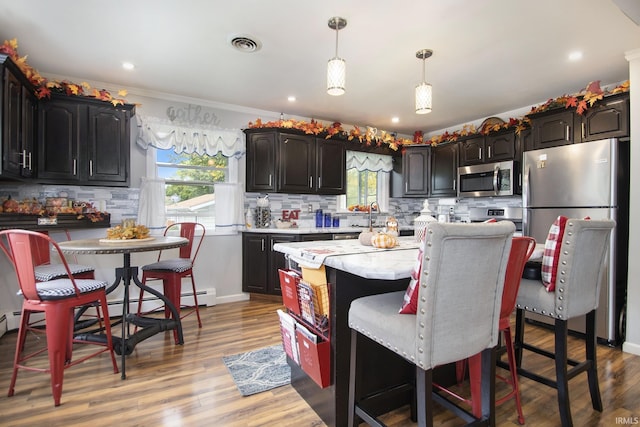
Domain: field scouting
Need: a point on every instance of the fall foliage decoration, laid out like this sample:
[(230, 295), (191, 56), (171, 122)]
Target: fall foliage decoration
[(369, 136), (45, 87)]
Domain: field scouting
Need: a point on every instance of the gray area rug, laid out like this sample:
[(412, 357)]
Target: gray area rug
[(259, 370)]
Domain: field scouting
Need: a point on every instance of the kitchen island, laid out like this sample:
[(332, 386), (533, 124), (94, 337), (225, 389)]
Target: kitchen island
[(351, 276)]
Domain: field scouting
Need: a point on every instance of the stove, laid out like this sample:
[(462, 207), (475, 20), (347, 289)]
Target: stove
[(509, 213)]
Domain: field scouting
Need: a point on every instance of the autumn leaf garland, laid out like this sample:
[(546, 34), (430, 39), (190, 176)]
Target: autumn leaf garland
[(45, 87), (580, 101)]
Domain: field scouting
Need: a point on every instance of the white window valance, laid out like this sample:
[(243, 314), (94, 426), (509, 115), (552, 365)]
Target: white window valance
[(165, 135), (362, 161)]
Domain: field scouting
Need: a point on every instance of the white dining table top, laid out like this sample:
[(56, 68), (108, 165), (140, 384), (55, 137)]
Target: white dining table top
[(101, 246)]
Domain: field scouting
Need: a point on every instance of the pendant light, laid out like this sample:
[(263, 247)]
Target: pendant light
[(337, 68), (423, 90)]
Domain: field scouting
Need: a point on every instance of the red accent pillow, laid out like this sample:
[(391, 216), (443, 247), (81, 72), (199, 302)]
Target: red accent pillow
[(552, 253), (410, 300)]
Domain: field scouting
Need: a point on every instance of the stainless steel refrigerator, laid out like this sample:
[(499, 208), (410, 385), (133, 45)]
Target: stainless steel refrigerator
[(590, 179)]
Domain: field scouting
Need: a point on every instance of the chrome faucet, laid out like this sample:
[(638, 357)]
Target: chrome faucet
[(370, 210)]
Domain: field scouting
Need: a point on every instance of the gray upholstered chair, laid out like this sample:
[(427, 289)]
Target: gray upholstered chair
[(580, 269), (459, 301)]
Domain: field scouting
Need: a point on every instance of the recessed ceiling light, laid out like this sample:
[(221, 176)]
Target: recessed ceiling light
[(128, 66), (575, 55), (291, 98), (395, 119)]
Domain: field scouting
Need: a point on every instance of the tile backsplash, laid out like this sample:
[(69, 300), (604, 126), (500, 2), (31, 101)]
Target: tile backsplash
[(404, 209), (122, 203), (119, 202)]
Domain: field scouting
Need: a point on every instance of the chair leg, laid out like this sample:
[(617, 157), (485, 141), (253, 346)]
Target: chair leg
[(22, 334), (519, 338), (352, 419), (171, 289), (475, 384), (488, 385), (562, 380), (424, 386), (592, 372), (107, 331), (195, 301), (58, 318), (513, 372)]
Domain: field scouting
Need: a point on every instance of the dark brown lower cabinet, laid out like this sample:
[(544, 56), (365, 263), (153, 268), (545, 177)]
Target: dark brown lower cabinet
[(260, 263)]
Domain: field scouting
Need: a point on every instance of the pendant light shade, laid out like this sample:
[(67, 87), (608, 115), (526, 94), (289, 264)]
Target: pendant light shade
[(424, 94), (337, 67)]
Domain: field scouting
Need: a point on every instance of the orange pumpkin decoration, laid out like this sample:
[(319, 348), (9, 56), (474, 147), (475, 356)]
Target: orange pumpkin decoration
[(384, 241)]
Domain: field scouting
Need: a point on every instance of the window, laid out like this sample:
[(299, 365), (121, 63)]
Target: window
[(189, 189), (362, 187), (367, 181)]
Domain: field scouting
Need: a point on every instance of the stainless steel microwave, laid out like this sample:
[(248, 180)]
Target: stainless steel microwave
[(489, 179)]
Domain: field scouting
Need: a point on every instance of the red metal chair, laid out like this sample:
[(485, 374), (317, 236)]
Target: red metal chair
[(172, 271), (521, 250), (56, 299)]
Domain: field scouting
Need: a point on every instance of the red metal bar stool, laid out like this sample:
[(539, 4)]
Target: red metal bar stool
[(172, 271), (57, 299), (521, 250)]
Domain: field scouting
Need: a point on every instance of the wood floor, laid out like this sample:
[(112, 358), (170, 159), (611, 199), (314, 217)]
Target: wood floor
[(169, 385)]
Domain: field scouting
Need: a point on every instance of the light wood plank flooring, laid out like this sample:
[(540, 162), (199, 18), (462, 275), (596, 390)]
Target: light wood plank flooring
[(188, 385)]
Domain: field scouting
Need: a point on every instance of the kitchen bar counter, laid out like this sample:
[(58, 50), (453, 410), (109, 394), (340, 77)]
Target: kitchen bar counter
[(352, 257), (352, 276)]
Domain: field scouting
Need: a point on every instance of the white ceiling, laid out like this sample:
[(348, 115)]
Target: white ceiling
[(489, 56)]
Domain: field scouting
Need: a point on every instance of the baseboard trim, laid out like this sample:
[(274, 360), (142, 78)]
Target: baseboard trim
[(3, 324), (629, 347)]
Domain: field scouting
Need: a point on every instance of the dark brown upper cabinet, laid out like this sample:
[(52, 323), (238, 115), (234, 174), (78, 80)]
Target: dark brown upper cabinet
[(83, 142), (287, 162), (494, 147), (17, 122), (608, 118)]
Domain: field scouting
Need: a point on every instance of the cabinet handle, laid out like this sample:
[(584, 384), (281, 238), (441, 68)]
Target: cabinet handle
[(489, 150), (567, 133), (26, 164), (74, 167), (310, 182), (269, 180), (583, 131), (90, 167), (479, 153), (319, 182), (454, 185), (262, 240), (406, 186)]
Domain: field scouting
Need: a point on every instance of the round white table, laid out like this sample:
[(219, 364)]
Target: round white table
[(127, 273)]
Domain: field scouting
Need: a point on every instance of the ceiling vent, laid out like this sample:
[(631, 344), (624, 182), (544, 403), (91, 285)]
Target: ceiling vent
[(245, 43)]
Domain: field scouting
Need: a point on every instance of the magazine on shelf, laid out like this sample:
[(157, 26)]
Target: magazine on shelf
[(288, 329), (305, 295), (307, 333)]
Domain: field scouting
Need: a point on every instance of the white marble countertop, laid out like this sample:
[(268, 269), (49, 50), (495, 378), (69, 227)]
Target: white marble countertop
[(384, 264), (313, 230), (305, 230)]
